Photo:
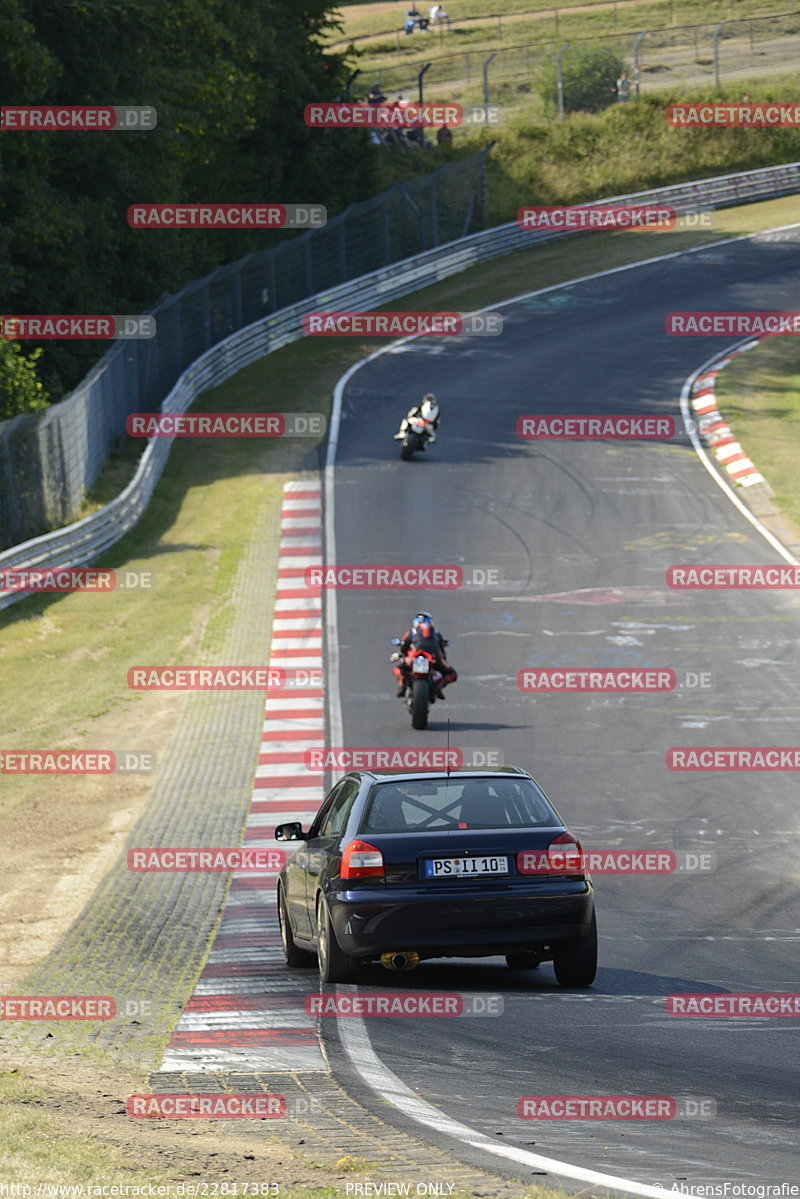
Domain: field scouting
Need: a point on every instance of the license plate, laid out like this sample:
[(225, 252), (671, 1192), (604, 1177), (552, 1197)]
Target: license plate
[(465, 867), (421, 666)]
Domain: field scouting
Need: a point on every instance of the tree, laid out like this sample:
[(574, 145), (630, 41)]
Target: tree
[(229, 82), (21, 390)]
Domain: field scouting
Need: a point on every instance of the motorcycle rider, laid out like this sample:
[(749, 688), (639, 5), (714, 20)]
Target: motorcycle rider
[(428, 410), (424, 636)]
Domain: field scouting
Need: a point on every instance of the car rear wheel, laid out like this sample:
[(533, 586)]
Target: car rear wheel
[(297, 958), (335, 966), (522, 961), (575, 964)]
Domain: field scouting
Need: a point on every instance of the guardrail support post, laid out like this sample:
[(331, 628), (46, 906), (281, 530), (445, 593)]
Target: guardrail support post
[(560, 75)]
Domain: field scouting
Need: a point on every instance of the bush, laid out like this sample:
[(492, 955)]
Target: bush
[(589, 76)]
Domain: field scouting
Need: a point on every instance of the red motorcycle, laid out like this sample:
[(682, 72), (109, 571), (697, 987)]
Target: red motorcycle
[(417, 669)]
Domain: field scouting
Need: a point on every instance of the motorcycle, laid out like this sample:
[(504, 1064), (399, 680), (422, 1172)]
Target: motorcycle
[(422, 681), (414, 436)]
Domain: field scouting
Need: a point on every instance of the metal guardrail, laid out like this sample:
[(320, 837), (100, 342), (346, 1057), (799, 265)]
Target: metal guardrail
[(85, 541)]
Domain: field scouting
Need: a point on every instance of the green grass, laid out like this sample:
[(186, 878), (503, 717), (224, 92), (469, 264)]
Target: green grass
[(533, 24), (759, 395)]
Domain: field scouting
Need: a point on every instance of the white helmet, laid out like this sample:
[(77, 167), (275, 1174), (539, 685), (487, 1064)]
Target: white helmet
[(429, 409)]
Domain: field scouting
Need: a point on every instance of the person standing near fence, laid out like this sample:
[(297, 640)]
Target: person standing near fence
[(623, 88)]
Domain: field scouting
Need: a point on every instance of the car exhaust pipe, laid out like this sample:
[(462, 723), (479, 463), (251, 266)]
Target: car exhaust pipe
[(407, 959)]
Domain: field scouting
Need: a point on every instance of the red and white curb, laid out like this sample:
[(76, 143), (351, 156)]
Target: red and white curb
[(717, 435), (247, 1011)]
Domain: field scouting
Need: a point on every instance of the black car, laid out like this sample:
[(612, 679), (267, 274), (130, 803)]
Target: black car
[(401, 867)]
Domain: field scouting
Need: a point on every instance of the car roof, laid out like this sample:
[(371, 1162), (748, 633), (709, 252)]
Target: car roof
[(382, 776)]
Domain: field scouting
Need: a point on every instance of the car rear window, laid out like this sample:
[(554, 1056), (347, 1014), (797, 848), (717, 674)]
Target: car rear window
[(422, 804)]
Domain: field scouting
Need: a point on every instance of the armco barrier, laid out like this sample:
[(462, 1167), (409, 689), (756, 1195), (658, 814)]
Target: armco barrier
[(83, 542)]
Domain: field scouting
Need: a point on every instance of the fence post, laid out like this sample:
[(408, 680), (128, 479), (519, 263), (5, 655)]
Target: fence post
[(420, 77), (486, 63), (351, 81), (636, 73), (717, 32), (432, 183), (559, 72)]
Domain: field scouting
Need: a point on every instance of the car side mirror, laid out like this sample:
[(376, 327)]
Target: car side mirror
[(290, 832)]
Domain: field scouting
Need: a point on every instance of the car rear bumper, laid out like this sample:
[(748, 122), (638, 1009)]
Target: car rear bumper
[(439, 923)]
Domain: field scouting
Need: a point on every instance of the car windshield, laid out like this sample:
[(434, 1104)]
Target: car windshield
[(433, 804)]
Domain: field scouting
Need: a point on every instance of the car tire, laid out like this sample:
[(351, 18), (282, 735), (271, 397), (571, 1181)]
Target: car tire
[(575, 964), (522, 961), (335, 966), (295, 957)]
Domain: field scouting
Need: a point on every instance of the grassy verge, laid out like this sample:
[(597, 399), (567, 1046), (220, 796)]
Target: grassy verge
[(759, 395)]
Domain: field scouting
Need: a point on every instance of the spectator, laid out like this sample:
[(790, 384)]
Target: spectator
[(439, 16), (623, 88), (444, 136), (375, 94), (411, 18)]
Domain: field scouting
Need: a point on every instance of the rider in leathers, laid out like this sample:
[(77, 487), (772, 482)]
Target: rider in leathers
[(422, 635)]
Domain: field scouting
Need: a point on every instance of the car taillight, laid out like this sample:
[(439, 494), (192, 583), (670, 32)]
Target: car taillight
[(564, 856), (361, 860)]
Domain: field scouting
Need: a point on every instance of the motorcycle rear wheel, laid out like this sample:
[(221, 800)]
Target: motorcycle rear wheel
[(419, 704)]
